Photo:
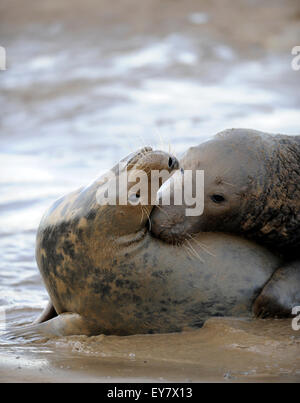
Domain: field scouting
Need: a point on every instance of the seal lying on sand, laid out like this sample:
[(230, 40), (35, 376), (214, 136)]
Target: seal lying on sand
[(252, 189), (105, 272)]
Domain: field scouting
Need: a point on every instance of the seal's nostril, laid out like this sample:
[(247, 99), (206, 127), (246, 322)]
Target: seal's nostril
[(172, 162)]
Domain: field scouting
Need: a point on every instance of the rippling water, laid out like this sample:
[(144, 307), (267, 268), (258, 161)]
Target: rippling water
[(87, 84)]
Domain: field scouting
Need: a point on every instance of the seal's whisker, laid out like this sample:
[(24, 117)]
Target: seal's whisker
[(202, 245), (188, 252), (196, 253), (230, 184), (157, 132), (171, 151), (142, 215), (143, 142), (163, 144), (226, 171), (149, 219)]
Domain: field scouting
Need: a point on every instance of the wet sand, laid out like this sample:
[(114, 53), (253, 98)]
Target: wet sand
[(224, 350), (85, 85)]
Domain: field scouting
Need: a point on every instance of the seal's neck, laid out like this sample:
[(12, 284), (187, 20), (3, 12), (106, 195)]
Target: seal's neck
[(272, 213)]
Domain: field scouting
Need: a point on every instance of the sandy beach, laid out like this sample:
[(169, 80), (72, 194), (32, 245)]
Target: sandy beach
[(224, 350)]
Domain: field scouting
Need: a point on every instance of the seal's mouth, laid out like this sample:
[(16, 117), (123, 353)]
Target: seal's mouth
[(166, 227), (172, 235)]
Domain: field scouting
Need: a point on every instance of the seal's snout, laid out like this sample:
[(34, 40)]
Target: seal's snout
[(158, 161)]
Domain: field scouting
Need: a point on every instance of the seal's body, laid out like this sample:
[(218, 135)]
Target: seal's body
[(105, 273), (252, 189)]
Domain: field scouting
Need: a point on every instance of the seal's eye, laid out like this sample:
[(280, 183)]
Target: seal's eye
[(133, 198), (217, 198)]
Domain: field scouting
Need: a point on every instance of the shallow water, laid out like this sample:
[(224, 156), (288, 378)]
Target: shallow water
[(87, 84)]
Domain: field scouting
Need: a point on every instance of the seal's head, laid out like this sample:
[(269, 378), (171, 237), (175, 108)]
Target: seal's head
[(133, 186), (251, 187)]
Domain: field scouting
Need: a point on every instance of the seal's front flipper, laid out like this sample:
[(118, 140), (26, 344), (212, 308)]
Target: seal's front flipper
[(66, 324), (48, 313), (281, 294)]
